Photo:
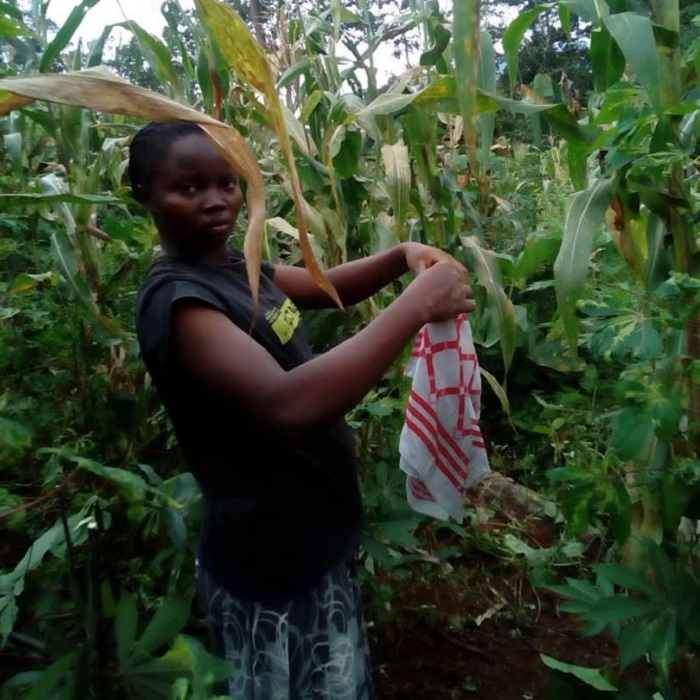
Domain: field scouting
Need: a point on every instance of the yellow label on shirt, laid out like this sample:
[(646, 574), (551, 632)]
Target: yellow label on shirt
[(284, 320)]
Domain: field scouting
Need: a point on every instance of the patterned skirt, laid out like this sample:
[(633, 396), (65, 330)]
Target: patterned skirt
[(313, 647)]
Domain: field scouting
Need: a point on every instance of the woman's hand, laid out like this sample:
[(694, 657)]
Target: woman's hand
[(420, 257), (442, 292)]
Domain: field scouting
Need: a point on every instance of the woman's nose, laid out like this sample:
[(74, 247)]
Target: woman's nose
[(213, 199)]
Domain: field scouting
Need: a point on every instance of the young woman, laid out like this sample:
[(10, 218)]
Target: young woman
[(260, 419)]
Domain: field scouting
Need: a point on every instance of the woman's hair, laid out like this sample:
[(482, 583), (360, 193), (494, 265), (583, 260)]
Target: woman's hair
[(149, 148)]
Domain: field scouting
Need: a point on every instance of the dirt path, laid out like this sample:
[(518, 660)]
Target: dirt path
[(477, 633)]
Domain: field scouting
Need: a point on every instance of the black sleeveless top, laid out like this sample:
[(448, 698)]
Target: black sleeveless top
[(280, 511)]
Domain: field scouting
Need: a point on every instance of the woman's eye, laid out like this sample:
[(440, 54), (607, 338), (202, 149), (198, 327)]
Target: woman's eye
[(230, 185), (187, 188)]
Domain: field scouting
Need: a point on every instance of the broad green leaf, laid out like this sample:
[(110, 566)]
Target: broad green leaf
[(130, 484), (310, 104), (125, 625), (536, 252), (69, 267), (346, 152), (441, 96), (626, 577), (585, 9), (169, 619), (577, 161), (616, 609), (8, 616), (607, 59), (585, 213), (488, 275), (564, 124), (634, 34), (590, 676), (397, 166), (50, 680)]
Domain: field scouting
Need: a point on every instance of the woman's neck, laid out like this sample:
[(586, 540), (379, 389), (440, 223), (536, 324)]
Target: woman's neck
[(207, 256)]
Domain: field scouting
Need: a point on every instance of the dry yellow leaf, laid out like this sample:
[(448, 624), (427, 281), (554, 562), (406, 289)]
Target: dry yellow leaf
[(99, 89), (246, 57)]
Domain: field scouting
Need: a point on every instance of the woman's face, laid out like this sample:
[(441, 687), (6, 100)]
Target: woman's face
[(194, 197)]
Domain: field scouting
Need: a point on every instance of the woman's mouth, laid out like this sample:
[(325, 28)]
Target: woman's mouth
[(218, 227)]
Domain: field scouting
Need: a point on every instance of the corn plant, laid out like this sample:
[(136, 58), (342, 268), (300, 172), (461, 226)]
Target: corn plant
[(636, 171)]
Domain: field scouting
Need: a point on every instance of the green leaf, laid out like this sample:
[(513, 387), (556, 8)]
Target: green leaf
[(397, 166), (130, 484), (585, 213), (607, 59), (634, 34), (635, 639), (65, 34), (50, 680), (486, 82), (10, 27), (25, 282), (626, 577), (613, 610), (158, 55), (38, 198), (442, 38), (168, 620), (295, 71), (8, 615), (513, 37), (13, 435), (95, 57), (585, 9), (466, 47), (633, 431), (590, 676), (125, 625), (497, 389), (536, 253), (488, 275)]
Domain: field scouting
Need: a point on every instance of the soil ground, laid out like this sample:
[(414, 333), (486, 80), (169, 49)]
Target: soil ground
[(477, 632)]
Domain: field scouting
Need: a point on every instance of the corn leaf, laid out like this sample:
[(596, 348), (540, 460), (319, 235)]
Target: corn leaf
[(246, 57), (466, 49), (158, 55), (99, 89), (488, 275), (397, 166), (65, 33), (585, 213), (634, 34), (513, 37)]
